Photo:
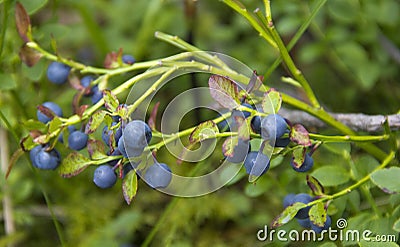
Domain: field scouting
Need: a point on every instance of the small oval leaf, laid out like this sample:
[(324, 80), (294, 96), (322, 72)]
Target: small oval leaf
[(224, 91), (387, 179), (288, 214), (23, 22), (272, 101), (203, 131), (318, 214), (110, 100), (94, 122), (73, 164), (129, 186), (315, 186), (299, 135)]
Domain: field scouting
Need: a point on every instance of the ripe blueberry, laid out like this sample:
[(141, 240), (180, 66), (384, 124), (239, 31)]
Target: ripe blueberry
[(256, 163), (128, 59), (308, 163), (56, 109), (135, 137), (33, 153), (58, 73), (97, 94), (306, 223), (77, 140), (86, 80), (104, 176), (106, 134), (273, 127), (47, 160), (288, 200), (71, 128), (158, 175), (256, 124)]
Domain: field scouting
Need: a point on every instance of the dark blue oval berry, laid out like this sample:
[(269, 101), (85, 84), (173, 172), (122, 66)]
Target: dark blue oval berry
[(97, 95), (47, 160), (104, 177), (303, 198), (308, 163), (326, 226), (256, 124), (128, 59), (58, 73), (158, 175), (273, 127), (77, 140), (256, 163)]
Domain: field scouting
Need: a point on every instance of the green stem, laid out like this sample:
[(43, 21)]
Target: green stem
[(370, 199), (349, 138)]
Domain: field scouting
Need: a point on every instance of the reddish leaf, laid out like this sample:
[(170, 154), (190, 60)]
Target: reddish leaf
[(46, 111), (224, 91), (81, 110), (254, 83), (75, 82), (203, 131), (96, 149), (229, 145), (243, 127), (113, 59), (299, 155), (29, 56), (129, 186), (153, 116), (299, 135), (23, 22)]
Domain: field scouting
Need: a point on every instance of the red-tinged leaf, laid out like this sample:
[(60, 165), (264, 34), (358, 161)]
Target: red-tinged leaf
[(272, 101), (153, 116), (75, 82), (243, 127), (122, 111), (95, 121), (287, 214), (315, 186), (113, 59), (299, 155), (224, 91), (318, 214), (129, 186), (203, 131), (42, 139), (299, 135), (110, 100), (81, 110), (73, 164), (23, 22), (46, 111), (229, 145), (29, 56), (96, 149)]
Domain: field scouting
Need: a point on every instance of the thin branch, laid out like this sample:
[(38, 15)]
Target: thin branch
[(356, 121)]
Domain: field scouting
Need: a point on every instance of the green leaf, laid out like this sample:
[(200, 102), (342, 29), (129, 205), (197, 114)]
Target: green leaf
[(318, 214), (7, 82), (95, 121), (331, 175), (315, 186), (54, 124), (387, 179), (129, 186), (33, 124), (288, 214), (229, 145), (396, 225), (299, 135), (32, 6), (110, 100), (73, 164), (224, 91), (203, 131), (96, 149), (27, 143), (298, 157), (272, 101)]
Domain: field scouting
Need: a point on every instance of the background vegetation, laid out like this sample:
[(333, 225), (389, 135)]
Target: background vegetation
[(348, 54)]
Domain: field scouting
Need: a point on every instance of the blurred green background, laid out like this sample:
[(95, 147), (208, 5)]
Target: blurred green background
[(349, 55)]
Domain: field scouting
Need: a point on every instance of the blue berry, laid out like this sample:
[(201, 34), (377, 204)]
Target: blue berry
[(47, 160), (158, 175), (56, 109), (97, 94), (126, 169), (273, 127), (136, 135), (308, 163), (282, 142), (104, 177), (303, 198), (256, 124), (121, 147), (70, 128), (77, 140), (288, 200), (32, 154), (58, 73), (86, 80), (128, 59), (240, 152), (256, 163), (326, 226), (306, 223)]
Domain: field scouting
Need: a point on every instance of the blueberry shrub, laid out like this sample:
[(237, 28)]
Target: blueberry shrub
[(119, 152)]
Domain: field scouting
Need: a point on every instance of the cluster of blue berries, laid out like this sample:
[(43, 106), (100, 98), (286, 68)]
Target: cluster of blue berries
[(124, 139), (302, 215)]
